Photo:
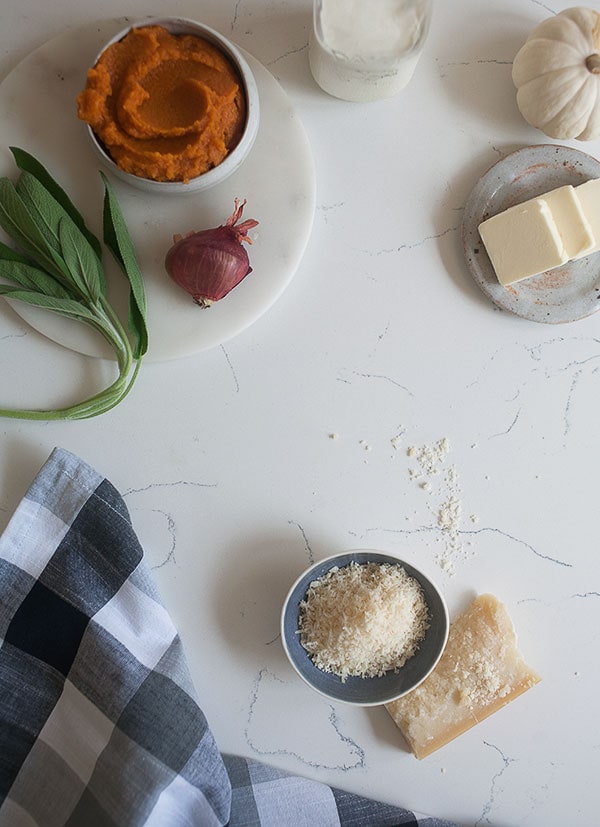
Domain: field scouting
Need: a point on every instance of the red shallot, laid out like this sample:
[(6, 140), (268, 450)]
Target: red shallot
[(208, 264)]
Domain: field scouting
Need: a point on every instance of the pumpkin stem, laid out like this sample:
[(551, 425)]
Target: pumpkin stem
[(592, 63)]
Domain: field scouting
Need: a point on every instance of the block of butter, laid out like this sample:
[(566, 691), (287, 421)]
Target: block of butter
[(544, 232), (571, 221), (588, 195), (480, 671), (523, 241)]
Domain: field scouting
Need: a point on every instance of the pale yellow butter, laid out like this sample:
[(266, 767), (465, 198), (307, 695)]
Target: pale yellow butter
[(523, 241), (571, 221), (588, 195), (542, 233)]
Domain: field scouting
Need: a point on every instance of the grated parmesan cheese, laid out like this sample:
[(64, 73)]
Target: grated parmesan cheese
[(363, 619)]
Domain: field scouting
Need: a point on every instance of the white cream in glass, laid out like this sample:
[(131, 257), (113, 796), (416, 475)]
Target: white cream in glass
[(364, 51)]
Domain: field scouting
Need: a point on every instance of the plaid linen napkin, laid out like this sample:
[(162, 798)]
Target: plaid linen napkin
[(99, 721)]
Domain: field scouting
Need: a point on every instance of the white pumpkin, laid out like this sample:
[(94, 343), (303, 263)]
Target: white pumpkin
[(557, 75)]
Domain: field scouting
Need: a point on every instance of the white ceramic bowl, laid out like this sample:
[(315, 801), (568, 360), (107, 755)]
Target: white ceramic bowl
[(365, 691), (181, 25)]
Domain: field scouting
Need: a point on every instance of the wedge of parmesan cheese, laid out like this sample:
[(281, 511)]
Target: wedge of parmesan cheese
[(480, 671)]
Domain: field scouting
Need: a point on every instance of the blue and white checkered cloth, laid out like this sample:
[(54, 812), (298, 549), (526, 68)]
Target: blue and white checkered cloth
[(99, 721)]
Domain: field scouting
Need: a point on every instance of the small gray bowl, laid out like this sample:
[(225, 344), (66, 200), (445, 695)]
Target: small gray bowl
[(365, 691), (214, 176)]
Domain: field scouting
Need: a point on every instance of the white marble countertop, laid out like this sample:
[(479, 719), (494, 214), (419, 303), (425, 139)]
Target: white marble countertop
[(383, 338)]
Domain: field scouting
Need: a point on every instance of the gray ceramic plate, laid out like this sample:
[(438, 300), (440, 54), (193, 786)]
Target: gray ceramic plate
[(365, 691), (564, 294)]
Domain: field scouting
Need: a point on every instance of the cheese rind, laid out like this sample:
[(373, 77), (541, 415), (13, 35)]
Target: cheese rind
[(480, 671), (523, 241)]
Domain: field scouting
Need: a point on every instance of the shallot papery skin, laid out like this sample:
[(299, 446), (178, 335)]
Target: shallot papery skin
[(208, 264)]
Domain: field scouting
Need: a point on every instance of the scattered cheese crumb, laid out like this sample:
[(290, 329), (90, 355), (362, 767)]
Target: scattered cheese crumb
[(430, 456), (334, 436), (449, 514), (363, 619)]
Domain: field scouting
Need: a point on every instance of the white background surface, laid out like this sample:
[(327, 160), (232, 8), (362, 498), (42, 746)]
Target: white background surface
[(234, 485)]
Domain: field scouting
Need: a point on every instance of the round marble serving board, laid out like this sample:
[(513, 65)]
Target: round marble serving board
[(564, 294), (38, 113)]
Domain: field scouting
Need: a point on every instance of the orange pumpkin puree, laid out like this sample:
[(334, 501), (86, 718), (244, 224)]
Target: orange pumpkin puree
[(166, 107)]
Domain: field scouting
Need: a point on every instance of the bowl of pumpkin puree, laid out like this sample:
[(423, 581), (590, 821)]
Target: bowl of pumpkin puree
[(171, 106)]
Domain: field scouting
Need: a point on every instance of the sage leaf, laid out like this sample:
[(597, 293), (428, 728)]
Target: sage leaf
[(118, 240), (28, 163), (84, 265), (65, 306), (58, 268), (41, 207), (26, 275), (49, 216), (18, 223), (8, 254)]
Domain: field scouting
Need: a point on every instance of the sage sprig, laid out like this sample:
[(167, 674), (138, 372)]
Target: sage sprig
[(57, 266)]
